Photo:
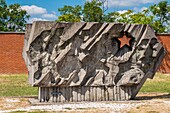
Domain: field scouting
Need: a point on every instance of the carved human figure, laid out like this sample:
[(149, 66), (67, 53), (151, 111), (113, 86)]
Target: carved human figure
[(122, 55)]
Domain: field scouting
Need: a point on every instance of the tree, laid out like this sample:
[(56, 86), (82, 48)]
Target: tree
[(141, 17), (161, 13), (111, 17), (125, 17), (129, 17), (12, 17), (70, 14), (92, 11), (158, 16), (3, 15)]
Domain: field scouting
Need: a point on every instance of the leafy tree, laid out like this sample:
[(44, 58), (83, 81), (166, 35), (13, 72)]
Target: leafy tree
[(141, 17), (12, 17), (168, 27), (70, 14), (125, 17), (158, 15), (119, 17), (92, 11), (161, 13), (129, 17), (3, 15), (111, 17)]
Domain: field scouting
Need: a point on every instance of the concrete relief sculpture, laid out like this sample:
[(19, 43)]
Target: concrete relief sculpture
[(90, 61)]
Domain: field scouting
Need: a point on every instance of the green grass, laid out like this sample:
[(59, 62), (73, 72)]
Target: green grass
[(160, 83), (16, 85)]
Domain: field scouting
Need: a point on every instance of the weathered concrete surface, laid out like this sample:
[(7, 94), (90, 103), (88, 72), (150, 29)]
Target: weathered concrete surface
[(85, 55)]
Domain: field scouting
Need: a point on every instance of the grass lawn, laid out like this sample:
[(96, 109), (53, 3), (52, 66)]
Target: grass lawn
[(17, 85), (160, 83)]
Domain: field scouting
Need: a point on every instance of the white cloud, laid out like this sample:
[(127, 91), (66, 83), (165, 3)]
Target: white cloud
[(143, 8), (49, 16), (136, 9), (53, 12), (125, 3), (122, 11), (34, 10), (36, 19), (39, 13), (149, 1)]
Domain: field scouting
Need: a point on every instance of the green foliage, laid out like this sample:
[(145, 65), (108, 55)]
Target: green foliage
[(92, 11), (12, 17), (129, 17), (161, 13), (70, 14), (111, 17), (16, 85), (68, 18), (157, 15)]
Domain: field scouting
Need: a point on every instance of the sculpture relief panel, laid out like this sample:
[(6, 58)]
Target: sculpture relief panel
[(91, 54)]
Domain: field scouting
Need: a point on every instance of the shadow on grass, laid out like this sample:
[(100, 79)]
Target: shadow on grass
[(151, 97)]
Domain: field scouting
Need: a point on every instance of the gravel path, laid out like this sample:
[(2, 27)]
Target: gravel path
[(145, 103), (112, 107)]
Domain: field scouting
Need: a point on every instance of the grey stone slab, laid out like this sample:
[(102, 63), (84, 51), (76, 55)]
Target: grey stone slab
[(90, 61)]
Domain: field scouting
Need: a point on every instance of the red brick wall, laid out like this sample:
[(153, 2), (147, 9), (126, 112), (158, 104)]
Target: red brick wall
[(11, 61), (165, 65)]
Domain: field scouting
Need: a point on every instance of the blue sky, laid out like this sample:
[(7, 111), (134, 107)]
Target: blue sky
[(48, 9)]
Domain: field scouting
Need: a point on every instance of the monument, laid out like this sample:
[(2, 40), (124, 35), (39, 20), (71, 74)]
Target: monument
[(90, 61)]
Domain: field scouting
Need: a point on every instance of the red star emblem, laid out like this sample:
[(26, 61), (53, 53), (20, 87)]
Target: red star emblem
[(124, 41)]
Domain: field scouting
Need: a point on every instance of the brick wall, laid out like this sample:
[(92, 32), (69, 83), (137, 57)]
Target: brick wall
[(165, 65), (11, 61)]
